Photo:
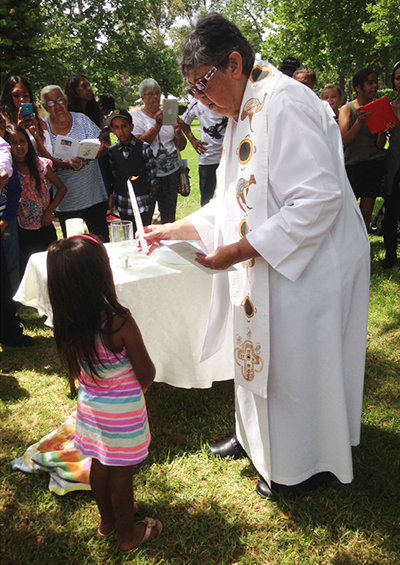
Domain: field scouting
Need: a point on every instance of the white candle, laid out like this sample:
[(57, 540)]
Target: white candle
[(138, 218)]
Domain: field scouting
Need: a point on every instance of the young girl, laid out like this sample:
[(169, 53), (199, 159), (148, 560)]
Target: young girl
[(333, 94), (100, 343), (35, 212)]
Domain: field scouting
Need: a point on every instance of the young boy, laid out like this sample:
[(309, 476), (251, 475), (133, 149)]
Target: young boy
[(129, 157)]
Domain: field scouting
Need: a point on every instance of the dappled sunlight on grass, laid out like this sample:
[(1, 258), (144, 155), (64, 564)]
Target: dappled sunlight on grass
[(209, 508)]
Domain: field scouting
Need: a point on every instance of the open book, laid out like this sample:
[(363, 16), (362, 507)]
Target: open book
[(67, 148)]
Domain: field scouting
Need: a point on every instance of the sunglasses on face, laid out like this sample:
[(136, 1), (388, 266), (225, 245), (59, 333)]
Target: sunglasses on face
[(51, 103), (200, 86)]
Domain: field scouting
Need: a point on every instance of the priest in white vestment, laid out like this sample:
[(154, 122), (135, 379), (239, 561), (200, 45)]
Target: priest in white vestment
[(285, 216)]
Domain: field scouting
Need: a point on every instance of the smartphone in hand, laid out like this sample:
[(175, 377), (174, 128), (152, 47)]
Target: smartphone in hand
[(170, 111), (27, 109)]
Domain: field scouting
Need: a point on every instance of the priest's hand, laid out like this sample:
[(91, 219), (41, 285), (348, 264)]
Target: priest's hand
[(181, 229), (227, 255)]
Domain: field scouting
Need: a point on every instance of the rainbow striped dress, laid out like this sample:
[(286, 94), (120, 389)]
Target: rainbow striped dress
[(111, 423)]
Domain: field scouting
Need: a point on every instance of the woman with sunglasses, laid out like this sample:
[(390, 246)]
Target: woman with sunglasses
[(285, 216), (165, 142), (86, 196)]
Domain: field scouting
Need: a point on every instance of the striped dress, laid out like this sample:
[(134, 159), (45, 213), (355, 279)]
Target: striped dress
[(111, 423)]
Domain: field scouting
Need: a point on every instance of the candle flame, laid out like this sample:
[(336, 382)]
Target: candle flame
[(134, 178)]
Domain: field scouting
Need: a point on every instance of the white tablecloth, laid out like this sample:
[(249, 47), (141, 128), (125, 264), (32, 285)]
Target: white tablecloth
[(170, 305)]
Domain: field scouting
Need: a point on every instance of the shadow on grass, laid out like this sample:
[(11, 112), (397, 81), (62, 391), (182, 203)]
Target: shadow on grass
[(173, 412), (41, 357), (189, 535), (10, 389), (370, 505), (377, 255)]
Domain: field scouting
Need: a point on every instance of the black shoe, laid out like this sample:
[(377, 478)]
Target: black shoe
[(19, 341), (389, 261), (290, 491), (227, 448)]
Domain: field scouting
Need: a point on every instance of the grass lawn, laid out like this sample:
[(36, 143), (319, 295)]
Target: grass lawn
[(209, 508)]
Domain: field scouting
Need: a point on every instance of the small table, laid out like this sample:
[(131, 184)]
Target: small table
[(170, 304)]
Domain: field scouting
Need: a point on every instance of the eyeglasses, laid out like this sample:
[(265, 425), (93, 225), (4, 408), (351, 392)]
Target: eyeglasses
[(51, 103), (155, 93), (200, 86)]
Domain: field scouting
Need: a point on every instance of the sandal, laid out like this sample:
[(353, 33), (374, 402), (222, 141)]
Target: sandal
[(100, 534), (150, 524)]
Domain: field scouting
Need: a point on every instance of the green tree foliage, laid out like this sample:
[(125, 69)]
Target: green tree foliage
[(119, 42), (21, 28), (384, 27), (327, 36), (116, 43), (249, 17)]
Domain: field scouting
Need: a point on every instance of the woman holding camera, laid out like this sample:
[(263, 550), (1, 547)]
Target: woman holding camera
[(16, 97), (165, 141)]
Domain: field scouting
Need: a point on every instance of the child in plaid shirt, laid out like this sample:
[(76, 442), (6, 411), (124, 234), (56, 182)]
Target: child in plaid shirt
[(131, 157)]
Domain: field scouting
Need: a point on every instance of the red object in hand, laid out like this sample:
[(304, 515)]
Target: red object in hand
[(381, 115)]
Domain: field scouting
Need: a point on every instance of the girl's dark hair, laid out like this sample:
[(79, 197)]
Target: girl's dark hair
[(31, 156), (361, 77), (396, 66), (74, 104), (82, 295), (7, 107)]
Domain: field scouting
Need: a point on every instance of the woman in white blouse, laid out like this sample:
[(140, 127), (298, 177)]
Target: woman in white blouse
[(165, 141)]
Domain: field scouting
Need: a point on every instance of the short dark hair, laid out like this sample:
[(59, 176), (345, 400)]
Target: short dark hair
[(213, 37), (361, 77), (107, 101), (305, 71), (395, 68)]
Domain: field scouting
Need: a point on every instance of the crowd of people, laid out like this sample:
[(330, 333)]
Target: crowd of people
[(285, 215)]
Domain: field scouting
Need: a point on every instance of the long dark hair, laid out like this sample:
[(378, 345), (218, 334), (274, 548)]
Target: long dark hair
[(7, 107), (30, 158), (74, 104), (82, 296)]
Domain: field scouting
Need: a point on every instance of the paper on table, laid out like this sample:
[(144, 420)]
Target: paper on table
[(188, 251)]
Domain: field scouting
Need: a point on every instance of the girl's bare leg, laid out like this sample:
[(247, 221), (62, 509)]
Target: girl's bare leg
[(100, 485), (121, 487), (121, 490)]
